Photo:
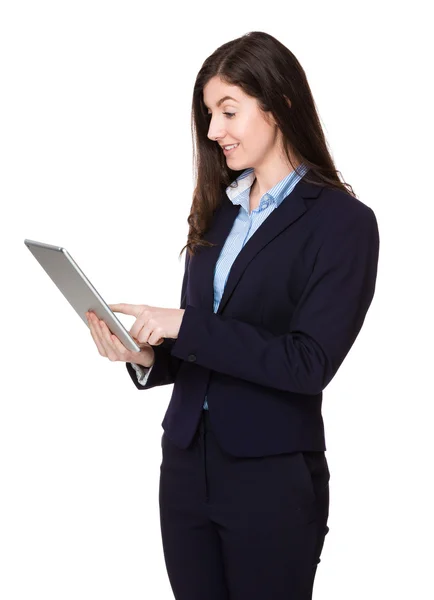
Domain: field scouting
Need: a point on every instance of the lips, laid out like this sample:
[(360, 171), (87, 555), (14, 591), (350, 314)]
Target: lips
[(231, 150)]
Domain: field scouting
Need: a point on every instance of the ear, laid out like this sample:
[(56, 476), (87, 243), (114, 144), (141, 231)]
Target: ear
[(271, 119)]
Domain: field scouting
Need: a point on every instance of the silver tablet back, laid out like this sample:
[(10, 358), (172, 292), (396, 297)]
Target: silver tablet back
[(76, 287)]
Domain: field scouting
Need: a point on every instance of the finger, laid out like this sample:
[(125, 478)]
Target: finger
[(156, 337), (143, 320), (106, 334), (149, 336), (122, 351), (127, 309), (144, 334), (138, 328), (116, 350), (99, 334), (96, 335)]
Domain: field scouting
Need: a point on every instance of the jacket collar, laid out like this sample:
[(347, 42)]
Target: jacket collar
[(280, 219)]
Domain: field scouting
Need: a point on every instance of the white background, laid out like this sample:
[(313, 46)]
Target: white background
[(96, 156)]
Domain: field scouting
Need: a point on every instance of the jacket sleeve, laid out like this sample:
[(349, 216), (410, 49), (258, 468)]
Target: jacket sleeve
[(323, 327), (165, 367)]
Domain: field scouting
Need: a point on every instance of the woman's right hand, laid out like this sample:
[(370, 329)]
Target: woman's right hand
[(112, 348)]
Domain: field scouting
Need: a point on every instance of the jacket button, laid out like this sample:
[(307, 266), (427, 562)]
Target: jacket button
[(191, 357)]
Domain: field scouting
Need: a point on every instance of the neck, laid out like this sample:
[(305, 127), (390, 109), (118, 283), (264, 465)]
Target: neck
[(265, 179)]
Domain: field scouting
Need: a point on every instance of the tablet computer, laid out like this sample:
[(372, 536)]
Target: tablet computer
[(77, 289)]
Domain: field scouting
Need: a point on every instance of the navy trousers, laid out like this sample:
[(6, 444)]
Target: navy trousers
[(241, 528)]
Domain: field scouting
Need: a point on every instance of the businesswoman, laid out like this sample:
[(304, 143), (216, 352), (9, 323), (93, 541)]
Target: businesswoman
[(280, 271)]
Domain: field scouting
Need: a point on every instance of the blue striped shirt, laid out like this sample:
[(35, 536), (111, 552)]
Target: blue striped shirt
[(242, 230)]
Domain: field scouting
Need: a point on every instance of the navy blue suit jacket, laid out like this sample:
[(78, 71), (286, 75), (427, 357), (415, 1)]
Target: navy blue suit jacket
[(294, 302)]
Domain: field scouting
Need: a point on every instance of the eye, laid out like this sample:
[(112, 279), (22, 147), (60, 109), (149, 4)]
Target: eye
[(228, 114)]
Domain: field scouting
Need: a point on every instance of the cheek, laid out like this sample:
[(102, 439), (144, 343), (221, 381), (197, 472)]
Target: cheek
[(253, 134), (240, 129)]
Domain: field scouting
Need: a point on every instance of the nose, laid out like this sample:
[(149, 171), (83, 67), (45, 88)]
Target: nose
[(216, 130)]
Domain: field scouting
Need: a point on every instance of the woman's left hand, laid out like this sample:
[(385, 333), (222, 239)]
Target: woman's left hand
[(152, 323)]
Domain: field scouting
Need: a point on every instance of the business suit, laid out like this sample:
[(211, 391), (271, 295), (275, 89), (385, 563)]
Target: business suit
[(282, 329)]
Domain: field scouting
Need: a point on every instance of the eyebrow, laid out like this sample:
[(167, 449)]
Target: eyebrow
[(222, 100)]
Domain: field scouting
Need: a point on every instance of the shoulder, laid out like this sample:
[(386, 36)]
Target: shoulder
[(338, 210)]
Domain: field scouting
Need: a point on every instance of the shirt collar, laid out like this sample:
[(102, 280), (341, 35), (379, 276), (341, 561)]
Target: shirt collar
[(241, 193)]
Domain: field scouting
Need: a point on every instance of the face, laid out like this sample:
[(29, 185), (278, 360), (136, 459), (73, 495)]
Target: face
[(238, 120)]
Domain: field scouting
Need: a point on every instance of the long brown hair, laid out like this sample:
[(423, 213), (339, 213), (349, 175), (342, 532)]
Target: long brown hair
[(264, 69)]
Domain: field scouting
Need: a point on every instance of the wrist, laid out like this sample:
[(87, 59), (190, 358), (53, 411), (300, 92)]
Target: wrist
[(146, 362)]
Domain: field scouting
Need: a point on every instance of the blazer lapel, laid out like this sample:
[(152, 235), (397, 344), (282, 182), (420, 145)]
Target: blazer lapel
[(291, 209)]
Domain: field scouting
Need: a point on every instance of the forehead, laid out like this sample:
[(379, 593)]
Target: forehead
[(216, 90)]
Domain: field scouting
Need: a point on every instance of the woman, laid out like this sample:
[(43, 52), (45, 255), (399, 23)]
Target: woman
[(280, 271)]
